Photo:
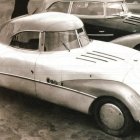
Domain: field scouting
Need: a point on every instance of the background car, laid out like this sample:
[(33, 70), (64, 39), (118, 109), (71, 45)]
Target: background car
[(103, 19)]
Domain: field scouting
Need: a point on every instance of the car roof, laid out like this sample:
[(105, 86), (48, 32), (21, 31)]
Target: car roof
[(48, 21), (48, 3)]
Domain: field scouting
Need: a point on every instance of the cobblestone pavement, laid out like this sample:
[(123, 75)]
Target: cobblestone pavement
[(25, 118)]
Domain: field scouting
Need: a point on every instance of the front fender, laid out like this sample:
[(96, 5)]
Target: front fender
[(99, 88), (130, 40)]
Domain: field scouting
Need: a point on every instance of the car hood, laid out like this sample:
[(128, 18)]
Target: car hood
[(98, 60), (133, 19)]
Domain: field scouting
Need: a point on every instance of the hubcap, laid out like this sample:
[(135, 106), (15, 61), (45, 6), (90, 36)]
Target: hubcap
[(111, 116)]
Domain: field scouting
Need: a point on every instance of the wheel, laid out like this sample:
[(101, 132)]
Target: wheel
[(137, 47), (113, 117)]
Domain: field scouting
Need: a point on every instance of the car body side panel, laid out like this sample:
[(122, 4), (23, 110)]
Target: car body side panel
[(80, 94), (78, 91), (15, 82), (67, 97), (17, 69), (49, 87)]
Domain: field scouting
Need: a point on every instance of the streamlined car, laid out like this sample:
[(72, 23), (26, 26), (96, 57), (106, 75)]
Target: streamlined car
[(49, 55), (105, 20)]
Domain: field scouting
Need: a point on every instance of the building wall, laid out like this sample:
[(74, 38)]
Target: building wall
[(6, 8)]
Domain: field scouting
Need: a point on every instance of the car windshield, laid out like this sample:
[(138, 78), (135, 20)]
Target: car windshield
[(115, 9), (66, 40), (88, 8)]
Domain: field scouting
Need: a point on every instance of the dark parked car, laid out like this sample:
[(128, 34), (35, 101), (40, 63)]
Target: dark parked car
[(105, 20)]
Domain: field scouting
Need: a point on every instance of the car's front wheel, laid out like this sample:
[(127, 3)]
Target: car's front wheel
[(137, 47), (113, 117)]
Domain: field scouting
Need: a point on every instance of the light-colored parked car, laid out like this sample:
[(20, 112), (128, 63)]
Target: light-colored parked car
[(105, 20), (49, 56)]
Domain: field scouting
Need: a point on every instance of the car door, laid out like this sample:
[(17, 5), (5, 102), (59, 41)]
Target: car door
[(48, 69), (18, 62)]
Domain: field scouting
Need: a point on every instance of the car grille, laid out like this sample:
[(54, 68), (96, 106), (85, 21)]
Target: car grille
[(132, 20), (96, 56)]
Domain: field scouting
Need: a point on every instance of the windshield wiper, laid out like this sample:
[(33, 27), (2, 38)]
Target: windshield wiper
[(65, 46)]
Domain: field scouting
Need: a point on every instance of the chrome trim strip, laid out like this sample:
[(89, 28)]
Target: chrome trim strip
[(50, 84), (12, 75), (101, 35)]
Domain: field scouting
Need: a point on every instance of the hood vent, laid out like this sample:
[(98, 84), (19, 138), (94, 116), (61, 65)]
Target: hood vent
[(132, 20), (108, 55), (85, 59), (96, 56)]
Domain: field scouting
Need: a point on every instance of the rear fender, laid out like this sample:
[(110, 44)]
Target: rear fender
[(130, 40)]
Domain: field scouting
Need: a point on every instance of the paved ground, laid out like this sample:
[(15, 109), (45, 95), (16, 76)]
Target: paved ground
[(26, 118)]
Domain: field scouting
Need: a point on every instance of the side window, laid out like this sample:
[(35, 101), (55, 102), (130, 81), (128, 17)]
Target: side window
[(59, 7), (26, 40), (87, 8)]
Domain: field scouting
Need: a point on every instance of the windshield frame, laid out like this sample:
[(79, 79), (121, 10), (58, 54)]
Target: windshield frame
[(79, 37)]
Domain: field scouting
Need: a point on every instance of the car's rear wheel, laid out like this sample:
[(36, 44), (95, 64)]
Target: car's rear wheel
[(113, 117)]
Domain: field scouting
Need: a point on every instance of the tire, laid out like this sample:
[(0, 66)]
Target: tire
[(112, 117), (137, 47)]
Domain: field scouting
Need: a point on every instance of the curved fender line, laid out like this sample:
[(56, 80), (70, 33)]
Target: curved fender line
[(131, 40), (54, 85), (96, 88), (109, 88)]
